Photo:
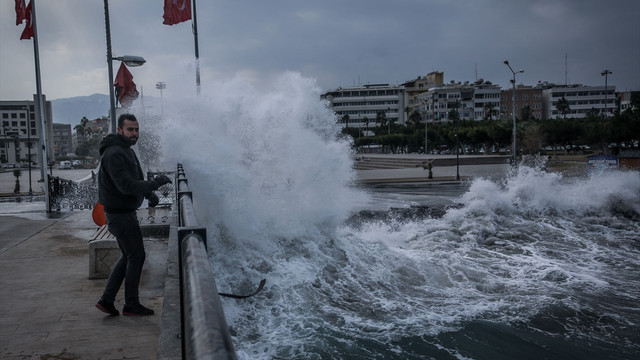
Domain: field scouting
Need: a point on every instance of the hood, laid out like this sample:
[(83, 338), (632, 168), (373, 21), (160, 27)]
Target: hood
[(112, 140)]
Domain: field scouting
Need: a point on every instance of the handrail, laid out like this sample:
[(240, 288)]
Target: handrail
[(205, 334)]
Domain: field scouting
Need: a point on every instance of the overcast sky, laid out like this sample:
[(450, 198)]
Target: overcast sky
[(337, 42)]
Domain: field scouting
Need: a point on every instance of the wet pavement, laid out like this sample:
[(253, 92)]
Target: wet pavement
[(47, 300)]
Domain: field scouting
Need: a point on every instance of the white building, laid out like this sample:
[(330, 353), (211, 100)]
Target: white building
[(363, 104), (20, 127), (582, 100), (473, 101)]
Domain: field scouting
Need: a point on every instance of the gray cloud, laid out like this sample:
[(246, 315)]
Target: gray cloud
[(339, 43)]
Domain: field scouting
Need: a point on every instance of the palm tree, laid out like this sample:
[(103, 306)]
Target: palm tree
[(81, 129), (17, 173), (563, 107), (489, 110), (345, 118), (526, 114), (415, 118)]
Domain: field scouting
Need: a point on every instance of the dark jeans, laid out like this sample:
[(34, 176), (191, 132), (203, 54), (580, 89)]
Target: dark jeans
[(126, 229)]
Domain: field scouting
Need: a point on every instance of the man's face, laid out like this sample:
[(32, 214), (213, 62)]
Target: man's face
[(130, 130)]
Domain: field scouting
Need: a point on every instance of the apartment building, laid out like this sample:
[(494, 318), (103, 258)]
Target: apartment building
[(582, 100), (20, 131), (624, 100), (363, 103), (62, 140), (420, 85), (476, 101), (525, 96)]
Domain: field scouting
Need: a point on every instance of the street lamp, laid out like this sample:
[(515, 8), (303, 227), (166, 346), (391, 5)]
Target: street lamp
[(129, 60), (457, 140), (425, 127), (513, 101), (29, 147), (160, 85), (605, 73), (6, 146)]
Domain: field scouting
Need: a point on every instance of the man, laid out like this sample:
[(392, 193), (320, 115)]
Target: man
[(122, 189)]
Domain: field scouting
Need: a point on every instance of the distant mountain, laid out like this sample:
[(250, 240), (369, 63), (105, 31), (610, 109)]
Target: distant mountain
[(71, 110)]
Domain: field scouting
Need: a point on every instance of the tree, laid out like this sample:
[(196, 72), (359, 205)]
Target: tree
[(81, 129), (532, 140), (381, 119), (89, 148), (489, 110), (415, 118), (345, 118), (17, 173), (563, 107), (526, 114)]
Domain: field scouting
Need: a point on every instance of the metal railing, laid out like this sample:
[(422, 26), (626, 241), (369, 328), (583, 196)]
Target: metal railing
[(205, 334)]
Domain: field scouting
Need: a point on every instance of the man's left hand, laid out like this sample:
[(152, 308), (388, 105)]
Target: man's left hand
[(153, 199)]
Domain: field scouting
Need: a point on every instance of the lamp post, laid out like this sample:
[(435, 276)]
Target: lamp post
[(388, 121), (457, 140), (29, 148), (425, 128), (513, 101), (160, 85), (6, 147), (605, 73), (129, 60)]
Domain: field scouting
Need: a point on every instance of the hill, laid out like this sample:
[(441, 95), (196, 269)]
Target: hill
[(71, 110)]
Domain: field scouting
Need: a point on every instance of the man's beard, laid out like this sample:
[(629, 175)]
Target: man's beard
[(133, 140)]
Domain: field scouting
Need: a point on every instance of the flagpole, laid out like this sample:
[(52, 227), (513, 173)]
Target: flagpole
[(112, 101), (195, 37), (43, 137)]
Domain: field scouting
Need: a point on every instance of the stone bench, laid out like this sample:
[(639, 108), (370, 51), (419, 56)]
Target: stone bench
[(104, 250), (103, 253)]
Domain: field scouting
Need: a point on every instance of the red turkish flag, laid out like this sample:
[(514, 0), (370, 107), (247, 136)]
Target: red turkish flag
[(27, 33), (21, 12), (125, 87), (176, 11)]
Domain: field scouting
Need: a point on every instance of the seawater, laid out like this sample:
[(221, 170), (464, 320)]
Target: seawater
[(527, 266)]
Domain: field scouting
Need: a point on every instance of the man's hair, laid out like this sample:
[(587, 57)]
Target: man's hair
[(124, 117)]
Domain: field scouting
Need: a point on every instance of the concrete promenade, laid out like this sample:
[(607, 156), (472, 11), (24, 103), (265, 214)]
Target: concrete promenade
[(385, 168), (47, 301)]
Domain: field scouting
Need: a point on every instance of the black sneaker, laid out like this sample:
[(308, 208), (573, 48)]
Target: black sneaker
[(136, 310), (107, 307)]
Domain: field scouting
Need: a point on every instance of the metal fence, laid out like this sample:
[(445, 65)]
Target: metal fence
[(205, 334), (71, 195), (67, 194)]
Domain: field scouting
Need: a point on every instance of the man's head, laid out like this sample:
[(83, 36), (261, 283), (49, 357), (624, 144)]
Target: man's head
[(128, 128)]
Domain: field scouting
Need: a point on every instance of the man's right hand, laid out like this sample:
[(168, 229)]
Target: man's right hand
[(161, 180)]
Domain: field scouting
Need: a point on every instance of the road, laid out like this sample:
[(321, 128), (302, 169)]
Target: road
[(8, 181)]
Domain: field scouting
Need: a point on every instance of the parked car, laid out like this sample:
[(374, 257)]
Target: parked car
[(65, 165), (77, 164)]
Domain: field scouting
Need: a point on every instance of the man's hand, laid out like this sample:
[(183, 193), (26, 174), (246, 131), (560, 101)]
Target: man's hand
[(161, 180), (153, 199)]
